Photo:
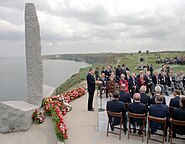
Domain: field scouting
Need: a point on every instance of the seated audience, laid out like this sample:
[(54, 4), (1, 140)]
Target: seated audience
[(145, 99), (149, 83), (158, 110), (179, 114), (175, 102), (133, 84), (155, 78), (138, 108), (163, 82), (157, 93), (124, 96), (141, 81), (111, 85), (171, 80), (116, 106), (123, 81)]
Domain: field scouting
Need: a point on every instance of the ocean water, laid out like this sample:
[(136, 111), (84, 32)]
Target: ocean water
[(13, 85)]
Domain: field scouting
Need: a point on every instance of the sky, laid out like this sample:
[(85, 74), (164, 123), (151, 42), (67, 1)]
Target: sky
[(93, 26)]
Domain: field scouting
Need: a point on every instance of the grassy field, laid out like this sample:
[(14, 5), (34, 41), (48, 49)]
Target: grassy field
[(131, 60)]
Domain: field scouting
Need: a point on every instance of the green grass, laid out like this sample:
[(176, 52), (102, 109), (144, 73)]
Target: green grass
[(75, 79), (132, 61)]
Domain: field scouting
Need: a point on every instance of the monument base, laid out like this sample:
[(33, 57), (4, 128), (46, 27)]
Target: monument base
[(15, 116)]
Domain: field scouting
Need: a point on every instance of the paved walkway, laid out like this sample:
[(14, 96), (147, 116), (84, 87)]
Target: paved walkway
[(37, 134)]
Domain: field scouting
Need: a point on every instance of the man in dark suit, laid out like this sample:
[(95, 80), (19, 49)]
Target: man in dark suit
[(171, 80), (158, 110), (91, 88), (108, 72), (151, 69), (155, 78), (145, 99), (179, 114), (118, 73), (138, 108), (175, 102), (133, 84), (124, 96), (163, 82), (116, 106), (149, 83)]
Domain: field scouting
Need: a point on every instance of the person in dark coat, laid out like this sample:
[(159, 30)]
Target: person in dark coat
[(108, 72), (175, 102), (158, 110), (149, 83), (151, 69), (97, 73), (157, 93), (145, 99), (163, 81), (155, 78), (138, 108), (124, 96), (179, 114), (116, 106), (171, 80), (118, 73), (91, 88)]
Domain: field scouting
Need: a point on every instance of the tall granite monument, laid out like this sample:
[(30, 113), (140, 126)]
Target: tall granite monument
[(17, 115), (33, 56)]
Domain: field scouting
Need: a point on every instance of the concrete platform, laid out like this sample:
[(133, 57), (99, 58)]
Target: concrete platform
[(15, 116), (101, 137)]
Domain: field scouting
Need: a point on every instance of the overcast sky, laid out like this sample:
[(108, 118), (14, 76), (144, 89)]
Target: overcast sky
[(85, 26)]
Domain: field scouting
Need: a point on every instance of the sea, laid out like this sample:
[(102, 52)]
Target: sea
[(13, 78)]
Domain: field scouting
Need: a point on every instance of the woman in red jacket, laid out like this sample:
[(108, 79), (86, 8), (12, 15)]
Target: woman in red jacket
[(141, 81), (124, 81)]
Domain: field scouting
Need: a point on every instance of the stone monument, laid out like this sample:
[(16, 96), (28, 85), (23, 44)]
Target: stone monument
[(17, 115), (33, 56)]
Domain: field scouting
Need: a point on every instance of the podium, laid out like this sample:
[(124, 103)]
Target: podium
[(100, 109)]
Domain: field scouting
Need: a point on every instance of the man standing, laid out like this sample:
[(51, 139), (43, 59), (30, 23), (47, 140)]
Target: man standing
[(90, 88)]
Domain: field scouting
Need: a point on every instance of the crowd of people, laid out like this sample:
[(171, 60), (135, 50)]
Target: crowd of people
[(144, 93), (112, 78), (174, 60)]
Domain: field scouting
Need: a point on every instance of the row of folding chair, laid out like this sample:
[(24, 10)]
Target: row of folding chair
[(144, 119)]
